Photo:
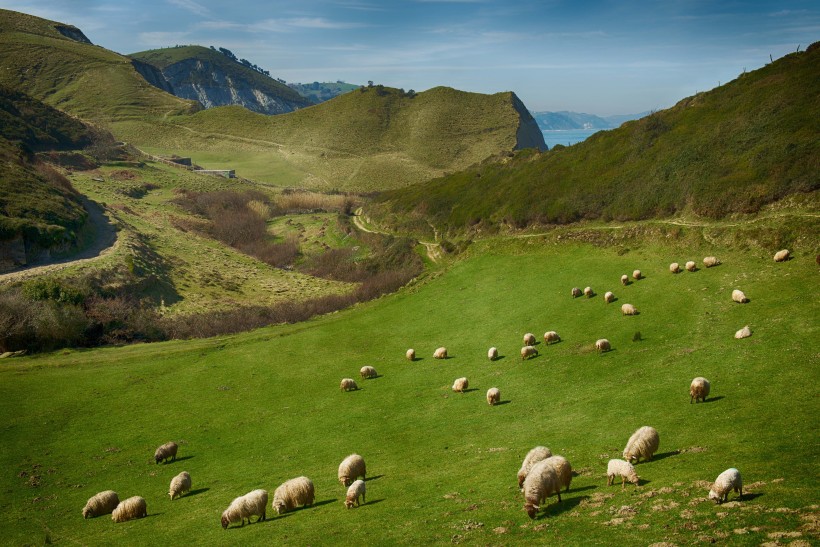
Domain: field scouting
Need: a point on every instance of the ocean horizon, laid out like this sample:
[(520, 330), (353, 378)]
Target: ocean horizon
[(566, 137)]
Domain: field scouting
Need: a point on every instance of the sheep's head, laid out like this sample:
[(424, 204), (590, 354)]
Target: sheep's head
[(714, 496), (349, 503), (225, 521), (157, 458), (634, 478), (279, 506), (531, 509), (86, 512)]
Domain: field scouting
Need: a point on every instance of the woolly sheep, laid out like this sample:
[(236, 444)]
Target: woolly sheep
[(710, 261), (609, 297), (410, 354), (674, 267), (253, 503), (533, 457), (623, 469), (576, 292), (368, 372), (168, 450), (588, 292), (563, 469), (492, 354), (541, 482), (460, 385), (642, 444), (356, 490), (739, 296), (699, 389), (551, 336), (132, 508), (493, 396), (726, 482), (101, 503), (690, 266), (637, 274), (602, 345), (348, 384), (628, 309), (529, 339), (781, 256), (351, 468), (180, 485), (745, 332), (293, 493), (624, 279), (527, 352), (440, 353)]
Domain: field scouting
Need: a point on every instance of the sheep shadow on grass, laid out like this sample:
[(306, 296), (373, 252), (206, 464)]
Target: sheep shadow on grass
[(748, 496), (373, 478), (663, 456), (182, 459), (470, 390), (712, 399), (557, 507), (195, 492), (320, 503), (499, 403), (374, 502)]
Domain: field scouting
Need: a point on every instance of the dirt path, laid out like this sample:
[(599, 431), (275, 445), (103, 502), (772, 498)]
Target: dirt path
[(433, 249)]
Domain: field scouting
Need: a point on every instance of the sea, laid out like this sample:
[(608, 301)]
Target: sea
[(567, 137)]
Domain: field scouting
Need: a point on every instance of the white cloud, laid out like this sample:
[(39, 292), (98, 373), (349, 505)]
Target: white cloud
[(194, 7)]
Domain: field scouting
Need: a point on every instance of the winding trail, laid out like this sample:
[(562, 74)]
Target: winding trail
[(433, 249)]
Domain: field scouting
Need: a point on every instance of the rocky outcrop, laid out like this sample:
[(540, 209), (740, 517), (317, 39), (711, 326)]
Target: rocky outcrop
[(152, 75), (528, 134), (72, 33)]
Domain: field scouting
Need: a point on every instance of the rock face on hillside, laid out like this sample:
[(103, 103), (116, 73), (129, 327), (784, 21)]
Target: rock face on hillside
[(528, 135), (73, 33), (152, 75)]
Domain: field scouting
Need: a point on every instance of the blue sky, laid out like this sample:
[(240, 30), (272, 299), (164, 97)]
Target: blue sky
[(600, 57)]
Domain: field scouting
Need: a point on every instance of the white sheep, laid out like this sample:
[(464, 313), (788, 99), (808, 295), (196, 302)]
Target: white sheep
[(351, 468), (132, 508), (588, 292), (628, 309), (101, 503), (691, 266), (348, 384), (624, 280), (563, 469), (642, 444), (781, 256), (529, 339), (440, 353), (739, 296), (699, 389), (637, 275), (602, 345), (410, 354), (674, 267), (726, 482), (368, 372), (292, 494), (492, 354), (533, 456), (252, 504), (710, 261), (168, 450), (576, 292), (551, 336), (356, 491), (745, 332), (527, 352), (623, 469), (460, 385), (180, 485), (609, 297), (493, 396), (541, 482)]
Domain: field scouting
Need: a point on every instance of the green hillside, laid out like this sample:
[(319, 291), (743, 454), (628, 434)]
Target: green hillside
[(730, 150), (323, 91)]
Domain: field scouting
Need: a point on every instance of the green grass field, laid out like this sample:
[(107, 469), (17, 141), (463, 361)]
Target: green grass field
[(253, 410)]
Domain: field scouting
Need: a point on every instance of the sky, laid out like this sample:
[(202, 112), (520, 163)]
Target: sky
[(599, 57)]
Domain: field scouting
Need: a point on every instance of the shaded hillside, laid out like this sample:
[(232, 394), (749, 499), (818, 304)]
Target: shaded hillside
[(214, 79), (729, 150), (320, 92)]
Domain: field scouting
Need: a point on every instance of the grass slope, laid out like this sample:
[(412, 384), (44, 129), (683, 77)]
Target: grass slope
[(253, 410), (323, 91), (732, 149)]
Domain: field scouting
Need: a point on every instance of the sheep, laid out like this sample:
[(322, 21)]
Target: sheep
[(460, 385), (710, 261), (588, 292), (674, 267), (529, 339), (551, 336), (440, 353), (410, 354), (609, 297), (602, 345), (642, 444), (541, 482), (253, 503), (739, 296), (292, 493), (576, 292), (368, 372), (527, 352), (348, 384), (533, 456), (101, 503), (168, 450), (781, 256), (493, 396), (492, 354), (690, 266), (356, 490), (132, 508), (351, 468), (726, 482), (623, 469), (745, 332), (637, 275), (624, 280), (563, 469), (699, 390), (180, 485), (628, 309)]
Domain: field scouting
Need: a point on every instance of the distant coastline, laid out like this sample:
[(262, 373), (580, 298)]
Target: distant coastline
[(566, 137)]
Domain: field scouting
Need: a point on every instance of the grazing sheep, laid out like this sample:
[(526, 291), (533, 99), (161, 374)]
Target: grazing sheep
[(180, 485), (588, 292), (674, 267), (745, 332), (781, 256), (602, 345), (609, 297), (168, 450), (623, 469), (628, 309), (551, 336), (493, 396), (527, 352), (348, 384), (368, 372), (529, 339), (576, 292), (460, 385), (351, 468), (410, 354), (710, 261), (533, 457), (101, 504), (132, 508), (492, 354), (726, 482), (563, 469), (356, 490), (690, 266), (739, 297), (293, 493), (637, 275), (624, 280), (642, 444), (541, 482), (253, 503), (699, 389), (440, 353)]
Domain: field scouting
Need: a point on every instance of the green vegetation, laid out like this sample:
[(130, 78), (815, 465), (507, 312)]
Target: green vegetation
[(323, 91)]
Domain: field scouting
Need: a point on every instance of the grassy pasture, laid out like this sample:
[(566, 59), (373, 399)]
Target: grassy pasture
[(252, 410)]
